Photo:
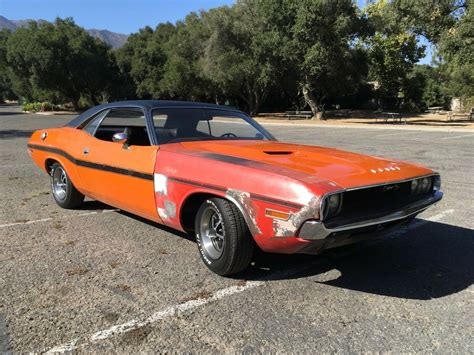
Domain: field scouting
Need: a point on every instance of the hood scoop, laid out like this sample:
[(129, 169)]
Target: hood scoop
[(278, 152)]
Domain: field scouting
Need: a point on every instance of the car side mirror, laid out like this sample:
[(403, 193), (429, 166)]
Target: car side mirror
[(120, 137)]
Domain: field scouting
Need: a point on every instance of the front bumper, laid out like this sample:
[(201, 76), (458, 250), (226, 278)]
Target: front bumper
[(318, 231)]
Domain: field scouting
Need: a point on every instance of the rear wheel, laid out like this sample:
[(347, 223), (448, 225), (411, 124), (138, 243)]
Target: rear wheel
[(223, 238), (64, 192)]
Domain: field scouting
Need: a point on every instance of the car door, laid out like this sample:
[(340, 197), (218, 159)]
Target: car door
[(120, 173)]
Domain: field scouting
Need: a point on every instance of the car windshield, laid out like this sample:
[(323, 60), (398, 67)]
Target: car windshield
[(197, 124)]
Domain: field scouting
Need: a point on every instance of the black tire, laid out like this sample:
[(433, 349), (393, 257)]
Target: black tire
[(69, 197), (237, 245)]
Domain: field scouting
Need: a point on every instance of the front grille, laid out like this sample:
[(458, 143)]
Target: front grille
[(373, 202)]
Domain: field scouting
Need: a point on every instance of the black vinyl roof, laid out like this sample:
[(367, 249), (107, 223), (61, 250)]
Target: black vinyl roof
[(145, 105)]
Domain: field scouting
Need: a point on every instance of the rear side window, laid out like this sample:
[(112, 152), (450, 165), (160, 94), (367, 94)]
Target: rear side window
[(129, 121), (91, 127)]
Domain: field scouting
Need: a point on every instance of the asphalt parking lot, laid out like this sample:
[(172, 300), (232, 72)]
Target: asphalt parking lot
[(98, 279)]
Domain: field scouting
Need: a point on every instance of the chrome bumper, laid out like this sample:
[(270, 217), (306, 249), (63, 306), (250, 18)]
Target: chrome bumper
[(316, 230)]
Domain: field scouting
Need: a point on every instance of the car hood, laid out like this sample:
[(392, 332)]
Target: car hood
[(343, 168)]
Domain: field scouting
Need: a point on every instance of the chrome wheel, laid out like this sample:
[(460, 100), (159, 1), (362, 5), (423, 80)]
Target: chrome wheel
[(212, 233), (59, 183)]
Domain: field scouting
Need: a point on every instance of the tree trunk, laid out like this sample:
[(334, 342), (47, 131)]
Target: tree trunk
[(75, 104), (312, 102)]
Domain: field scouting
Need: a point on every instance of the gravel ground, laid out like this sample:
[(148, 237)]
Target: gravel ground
[(66, 275)]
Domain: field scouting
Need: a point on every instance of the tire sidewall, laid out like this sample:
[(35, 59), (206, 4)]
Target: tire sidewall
[(65, 202), (217, 265)]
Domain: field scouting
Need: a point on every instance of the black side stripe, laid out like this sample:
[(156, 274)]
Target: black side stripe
[(198, 184), (86, 164), (275, 201), (223, 189)]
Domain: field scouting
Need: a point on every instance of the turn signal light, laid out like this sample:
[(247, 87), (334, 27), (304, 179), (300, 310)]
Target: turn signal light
[(277, 214)]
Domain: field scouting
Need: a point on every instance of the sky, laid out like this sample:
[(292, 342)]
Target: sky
[(122, 16)]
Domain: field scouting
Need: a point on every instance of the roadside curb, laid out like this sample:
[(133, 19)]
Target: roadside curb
[(369, 126), (53, 113)]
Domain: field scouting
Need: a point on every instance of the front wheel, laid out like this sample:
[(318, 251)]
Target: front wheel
[(64, 192), (223, 238)]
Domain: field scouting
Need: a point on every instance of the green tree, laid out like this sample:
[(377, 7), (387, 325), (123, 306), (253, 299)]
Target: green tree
[(59, 62), (392, 57), (392, 50), (238, 56), (6, 91), (143, 57), (315, 41), (183, 76), (429, 18), (449, 25), (456, 48)]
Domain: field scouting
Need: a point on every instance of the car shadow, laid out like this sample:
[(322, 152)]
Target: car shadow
[(187, 236), (11, 113), (14, 133), (93, 205), (431, 261)]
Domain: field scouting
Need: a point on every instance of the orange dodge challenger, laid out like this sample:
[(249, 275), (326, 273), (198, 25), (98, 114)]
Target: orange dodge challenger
[(214, 171)]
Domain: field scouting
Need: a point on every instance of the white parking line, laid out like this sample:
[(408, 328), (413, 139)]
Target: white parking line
[(440, 215), (455, 137), (62, 217), (155, 317), (193, 304)]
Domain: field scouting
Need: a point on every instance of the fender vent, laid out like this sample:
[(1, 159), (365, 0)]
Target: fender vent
[(278, 152)]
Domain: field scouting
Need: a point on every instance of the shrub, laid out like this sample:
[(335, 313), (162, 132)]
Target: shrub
[(39, 106)]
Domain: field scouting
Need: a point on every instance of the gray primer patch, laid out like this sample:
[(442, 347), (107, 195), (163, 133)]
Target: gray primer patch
[(170, 208), (289, 227), (169, 211), (4, 338), (245, 205)]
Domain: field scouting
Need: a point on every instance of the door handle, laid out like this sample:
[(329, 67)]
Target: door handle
[(85, 151)]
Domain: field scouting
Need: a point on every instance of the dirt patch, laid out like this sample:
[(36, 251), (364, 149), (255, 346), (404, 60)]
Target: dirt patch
[(355, 117), (77, 271), (136, 336), (124, 288), (241, 283), (57, 225), (202, 294), (114, 264), (111, 317)]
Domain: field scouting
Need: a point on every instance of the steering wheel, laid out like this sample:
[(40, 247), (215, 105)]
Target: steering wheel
[(229, 135)]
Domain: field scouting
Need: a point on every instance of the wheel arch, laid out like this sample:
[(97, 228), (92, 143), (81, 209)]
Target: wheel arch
[(69, 168), (193, 201), (190, 207), (48, 163)]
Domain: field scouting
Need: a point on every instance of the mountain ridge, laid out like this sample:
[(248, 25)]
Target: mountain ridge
[(114, 39)]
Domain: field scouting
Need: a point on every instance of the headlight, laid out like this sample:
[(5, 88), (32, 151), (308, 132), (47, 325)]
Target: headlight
[(331, 205), (425, 185), (436, 182)]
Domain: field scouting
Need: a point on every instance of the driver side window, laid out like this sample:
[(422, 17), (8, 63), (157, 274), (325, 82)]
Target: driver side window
[(128, 121)]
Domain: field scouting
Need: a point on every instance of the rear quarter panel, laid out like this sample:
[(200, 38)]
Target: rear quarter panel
[(66, 139)]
